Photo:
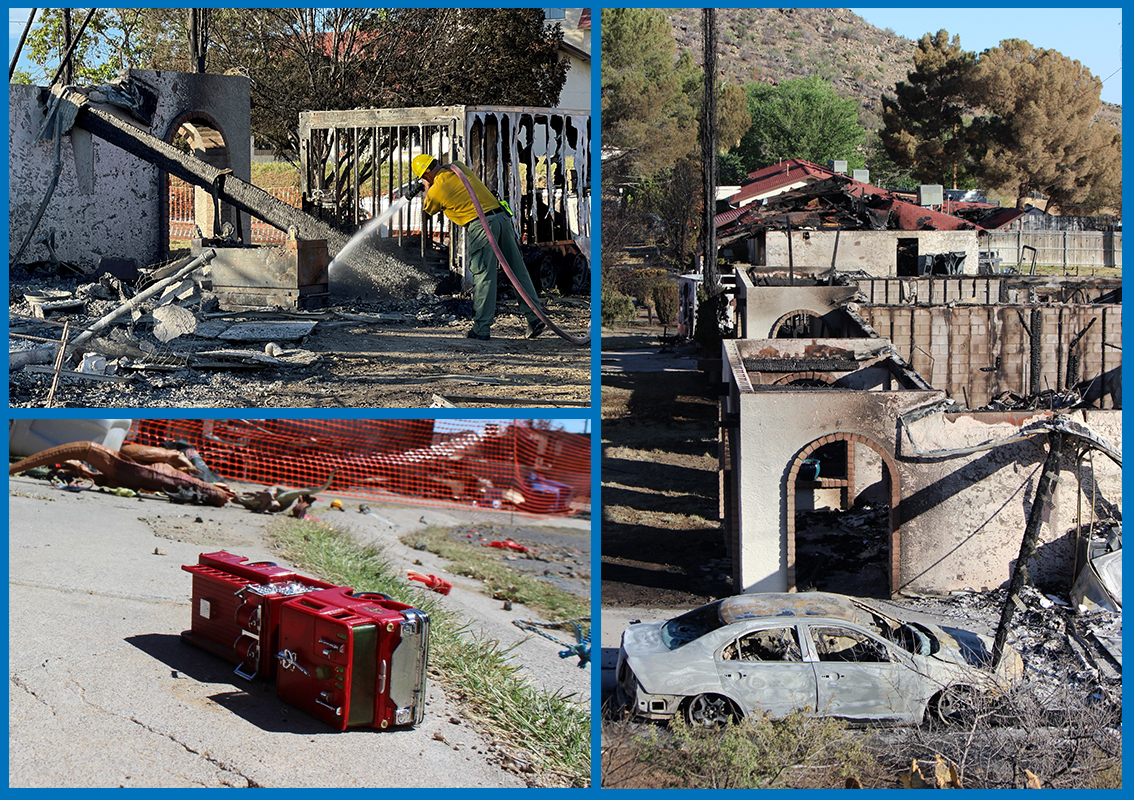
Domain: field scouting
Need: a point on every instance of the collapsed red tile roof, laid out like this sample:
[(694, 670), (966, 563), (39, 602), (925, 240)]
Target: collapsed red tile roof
[(786, 173)]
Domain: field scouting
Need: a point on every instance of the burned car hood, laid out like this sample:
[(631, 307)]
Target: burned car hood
[(661, 670), (971, 653)]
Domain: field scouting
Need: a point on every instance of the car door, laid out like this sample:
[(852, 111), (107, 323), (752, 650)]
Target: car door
[(765, 670), (860, 676)]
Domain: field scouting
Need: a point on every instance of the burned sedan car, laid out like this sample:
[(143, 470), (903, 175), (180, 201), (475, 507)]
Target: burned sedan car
[(824, 653)]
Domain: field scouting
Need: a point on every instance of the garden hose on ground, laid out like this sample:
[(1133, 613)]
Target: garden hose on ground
[(507, 269), (581, 649)]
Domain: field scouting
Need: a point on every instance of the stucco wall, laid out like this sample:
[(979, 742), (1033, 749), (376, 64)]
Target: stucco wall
[(960, 519), (774, 427), (872, 252), (963, 518), (120, 213), (764, 306)]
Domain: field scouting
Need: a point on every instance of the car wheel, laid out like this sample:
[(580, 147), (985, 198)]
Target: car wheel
[(953, 704), (709, 711)]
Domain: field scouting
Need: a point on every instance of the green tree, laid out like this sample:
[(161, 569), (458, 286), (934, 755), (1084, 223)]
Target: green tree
[(666, 302), (115, 39), (317, 59), (648, 109), (733, 117), (923, 125), (675, 196), (883, 171), (1039, 129), (801, 118), (730, 169)]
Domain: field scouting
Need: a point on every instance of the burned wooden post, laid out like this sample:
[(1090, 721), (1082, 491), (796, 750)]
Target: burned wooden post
[(1035, 331), (1046, 485)]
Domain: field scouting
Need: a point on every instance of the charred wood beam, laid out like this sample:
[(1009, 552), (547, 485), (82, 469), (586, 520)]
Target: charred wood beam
[(1035, 332), (240, 194)]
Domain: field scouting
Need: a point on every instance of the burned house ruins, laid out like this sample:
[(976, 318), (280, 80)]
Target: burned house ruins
[(91, 230), (884, 431)]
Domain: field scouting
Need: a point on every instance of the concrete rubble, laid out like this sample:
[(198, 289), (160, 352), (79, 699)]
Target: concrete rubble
[(182, 331)]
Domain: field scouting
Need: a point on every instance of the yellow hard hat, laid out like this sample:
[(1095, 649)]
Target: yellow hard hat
[(420, 164)]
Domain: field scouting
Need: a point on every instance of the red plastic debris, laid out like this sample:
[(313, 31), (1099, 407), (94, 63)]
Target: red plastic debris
[(431, 582), (508, 544)]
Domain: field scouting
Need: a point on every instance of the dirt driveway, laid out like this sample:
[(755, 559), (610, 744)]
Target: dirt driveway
[(661, 543)]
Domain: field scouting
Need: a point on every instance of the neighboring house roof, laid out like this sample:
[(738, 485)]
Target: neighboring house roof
[(576, 26), (778, 178), (728, 216), (1002, 217)]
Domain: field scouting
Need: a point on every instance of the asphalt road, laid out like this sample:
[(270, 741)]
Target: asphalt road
[(103, 693)]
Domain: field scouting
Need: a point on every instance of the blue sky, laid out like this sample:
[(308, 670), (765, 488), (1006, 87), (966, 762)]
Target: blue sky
[(1092, 36), (582, 425)]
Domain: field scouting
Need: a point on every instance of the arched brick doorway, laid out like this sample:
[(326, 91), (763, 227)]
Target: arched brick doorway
[(845, 484), (205, 139), (814, 379), (799, 324)]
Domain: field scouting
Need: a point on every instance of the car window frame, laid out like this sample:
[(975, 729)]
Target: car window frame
[(898, 654), (754, 627)]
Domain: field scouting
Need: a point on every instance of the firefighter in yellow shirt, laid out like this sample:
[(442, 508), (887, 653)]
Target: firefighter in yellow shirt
[(445, 192)]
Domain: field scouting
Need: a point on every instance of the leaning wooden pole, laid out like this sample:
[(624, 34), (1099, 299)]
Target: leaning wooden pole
[(1044, 488)]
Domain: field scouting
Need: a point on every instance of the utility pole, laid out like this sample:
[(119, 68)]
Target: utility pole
[(68, 75), (198, 37), (709, 152)]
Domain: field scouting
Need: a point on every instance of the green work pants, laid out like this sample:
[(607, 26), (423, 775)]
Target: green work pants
[(483, 264)]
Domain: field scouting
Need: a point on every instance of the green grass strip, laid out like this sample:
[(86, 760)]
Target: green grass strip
[(501, 581), (550, 727)]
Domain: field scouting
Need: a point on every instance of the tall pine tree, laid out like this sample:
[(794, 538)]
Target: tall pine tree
[(1039, 131), (923, 125)]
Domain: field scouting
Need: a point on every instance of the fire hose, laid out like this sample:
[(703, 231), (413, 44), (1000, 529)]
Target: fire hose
[(532, 304)]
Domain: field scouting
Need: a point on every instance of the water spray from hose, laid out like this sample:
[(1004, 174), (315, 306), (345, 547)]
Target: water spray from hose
[(371, 227)]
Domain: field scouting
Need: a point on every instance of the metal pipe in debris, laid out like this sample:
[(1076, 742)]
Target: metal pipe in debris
[(145, 295)]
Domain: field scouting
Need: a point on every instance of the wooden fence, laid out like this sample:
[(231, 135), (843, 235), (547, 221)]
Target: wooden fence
[(1069, 249)]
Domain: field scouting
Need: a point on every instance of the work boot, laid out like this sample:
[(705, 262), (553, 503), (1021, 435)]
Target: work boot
[(536, 329), (474, 335)]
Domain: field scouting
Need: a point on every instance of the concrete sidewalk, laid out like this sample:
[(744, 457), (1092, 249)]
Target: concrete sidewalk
[(103, 693)]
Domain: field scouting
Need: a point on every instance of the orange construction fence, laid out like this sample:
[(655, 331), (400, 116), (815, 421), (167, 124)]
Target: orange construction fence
[(182, 219), (527, 466)]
